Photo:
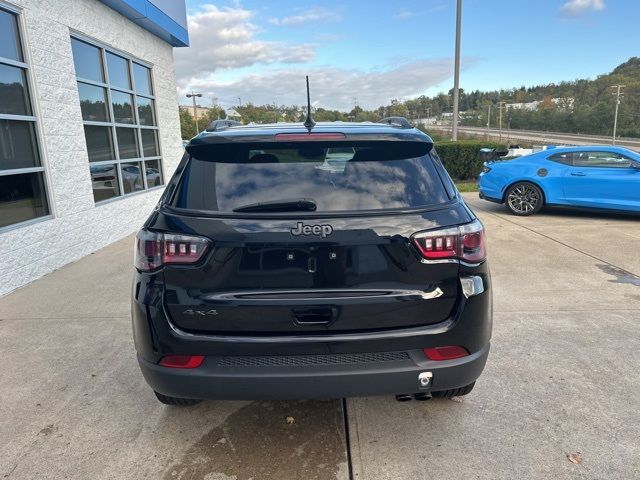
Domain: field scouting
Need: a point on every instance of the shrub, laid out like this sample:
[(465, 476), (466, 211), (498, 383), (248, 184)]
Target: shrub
[(462, 159)]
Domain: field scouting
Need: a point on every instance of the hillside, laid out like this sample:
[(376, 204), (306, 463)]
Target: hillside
[(590, 111)]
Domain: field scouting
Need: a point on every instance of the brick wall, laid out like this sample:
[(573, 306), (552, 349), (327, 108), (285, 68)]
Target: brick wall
[(79, 227)]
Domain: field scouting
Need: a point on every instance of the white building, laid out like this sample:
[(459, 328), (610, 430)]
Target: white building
[(562, 103), (427, 121), (200, 111), (232, 114), (89, 128)]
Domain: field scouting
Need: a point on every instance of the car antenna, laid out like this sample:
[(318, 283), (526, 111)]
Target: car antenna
[(309, 123)]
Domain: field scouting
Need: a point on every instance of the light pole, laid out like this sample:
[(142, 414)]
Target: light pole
[(193, 96), (456, 72), (618, 95)]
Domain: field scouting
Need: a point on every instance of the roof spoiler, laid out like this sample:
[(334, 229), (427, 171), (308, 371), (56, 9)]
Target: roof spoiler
[(396, 122)]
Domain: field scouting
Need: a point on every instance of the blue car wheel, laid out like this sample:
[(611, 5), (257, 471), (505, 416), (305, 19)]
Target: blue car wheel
[(524, 198)]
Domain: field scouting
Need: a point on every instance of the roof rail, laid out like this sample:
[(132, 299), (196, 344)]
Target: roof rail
[(396, 122), (218, 125)]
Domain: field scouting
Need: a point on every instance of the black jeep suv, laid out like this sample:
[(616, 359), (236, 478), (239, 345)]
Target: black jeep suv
[(287, 263)]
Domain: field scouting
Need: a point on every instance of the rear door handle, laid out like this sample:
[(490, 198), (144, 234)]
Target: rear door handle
[(578, 174), (314, 316)]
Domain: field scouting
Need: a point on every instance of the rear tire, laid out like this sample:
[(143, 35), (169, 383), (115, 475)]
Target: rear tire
[(524, 199), (454, 392), (179, 402)]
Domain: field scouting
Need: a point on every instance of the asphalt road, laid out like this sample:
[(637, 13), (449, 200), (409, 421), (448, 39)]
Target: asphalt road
[(561, 380), (543, 138)]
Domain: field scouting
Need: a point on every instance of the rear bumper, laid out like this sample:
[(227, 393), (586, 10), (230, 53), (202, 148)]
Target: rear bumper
[(490, 187), (231, 378), (490, 199)]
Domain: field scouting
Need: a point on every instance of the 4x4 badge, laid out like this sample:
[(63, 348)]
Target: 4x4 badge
[(320, 230), (200, 312)]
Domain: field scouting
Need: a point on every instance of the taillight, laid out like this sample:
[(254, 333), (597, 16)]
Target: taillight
[(183, 248), (472, 244), (445, 353), (437, 243), (182, 361), (465, 242), (153, 249)]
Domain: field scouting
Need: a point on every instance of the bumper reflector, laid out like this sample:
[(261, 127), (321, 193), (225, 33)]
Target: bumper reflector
[(182, 361), (472, 286), (445, 353)]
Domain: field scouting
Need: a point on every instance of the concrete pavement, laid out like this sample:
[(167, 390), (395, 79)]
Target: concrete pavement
[(562, 375), (74, 404), (561, 379)]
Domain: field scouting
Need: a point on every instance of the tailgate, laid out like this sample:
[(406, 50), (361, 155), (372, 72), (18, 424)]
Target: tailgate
[(260, 278)]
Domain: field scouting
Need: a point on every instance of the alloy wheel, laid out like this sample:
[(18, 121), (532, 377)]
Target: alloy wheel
[(523, 198)]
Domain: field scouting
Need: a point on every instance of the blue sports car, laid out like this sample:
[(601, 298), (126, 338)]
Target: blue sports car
[(593, 177)]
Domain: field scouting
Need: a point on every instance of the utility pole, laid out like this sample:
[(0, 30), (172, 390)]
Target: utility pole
[(618, 95), (501, 106), (456, 72), (195, 111), (488, 121)]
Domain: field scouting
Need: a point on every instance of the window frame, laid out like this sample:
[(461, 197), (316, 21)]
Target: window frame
[(136, 126), (33, 119)]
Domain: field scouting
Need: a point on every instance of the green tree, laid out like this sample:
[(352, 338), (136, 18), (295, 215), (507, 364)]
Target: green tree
[(187, 124), (214, 113)]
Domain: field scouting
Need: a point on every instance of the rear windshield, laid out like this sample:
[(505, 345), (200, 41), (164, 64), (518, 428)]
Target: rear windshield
[(342, 177)]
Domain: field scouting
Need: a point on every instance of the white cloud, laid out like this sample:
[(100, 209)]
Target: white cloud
[(311, 15), (404, 14), (574, 8), (224, 38), (226, 43), (331, 87)]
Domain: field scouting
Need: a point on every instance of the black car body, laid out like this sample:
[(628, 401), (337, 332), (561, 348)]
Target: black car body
[(262, 274)]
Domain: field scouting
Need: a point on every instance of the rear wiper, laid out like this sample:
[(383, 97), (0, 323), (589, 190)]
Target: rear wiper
[(294, 205)]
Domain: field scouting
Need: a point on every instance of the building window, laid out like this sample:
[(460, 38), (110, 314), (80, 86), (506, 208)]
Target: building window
[(23, 194), (118, 111)]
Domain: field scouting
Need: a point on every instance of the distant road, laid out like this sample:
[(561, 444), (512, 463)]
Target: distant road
[(543, 138)]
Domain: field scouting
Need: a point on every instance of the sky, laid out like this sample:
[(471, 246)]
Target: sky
[(370, 52)]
